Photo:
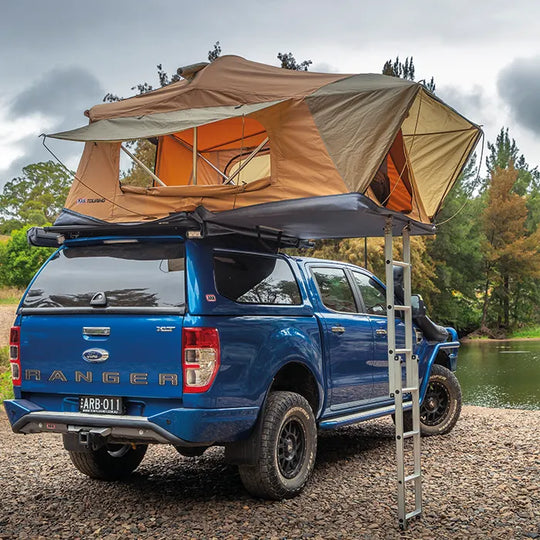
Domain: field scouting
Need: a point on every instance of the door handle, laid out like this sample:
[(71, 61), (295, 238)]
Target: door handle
[(381, 332), (338, 329), (96, 330)]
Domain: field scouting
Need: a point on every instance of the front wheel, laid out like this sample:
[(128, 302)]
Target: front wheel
[(287, 448), (110, 462), (441, 406)]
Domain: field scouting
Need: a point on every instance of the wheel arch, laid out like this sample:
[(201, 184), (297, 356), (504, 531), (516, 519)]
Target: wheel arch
[(296, 376)]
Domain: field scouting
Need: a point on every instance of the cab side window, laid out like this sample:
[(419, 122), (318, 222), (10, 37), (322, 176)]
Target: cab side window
[(335, 290), (373, 294)]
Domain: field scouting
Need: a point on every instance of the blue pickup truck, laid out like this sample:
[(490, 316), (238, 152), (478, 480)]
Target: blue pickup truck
[(121, 342)]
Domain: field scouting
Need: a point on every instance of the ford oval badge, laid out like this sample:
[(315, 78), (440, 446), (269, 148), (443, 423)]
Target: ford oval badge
[(95, 355)]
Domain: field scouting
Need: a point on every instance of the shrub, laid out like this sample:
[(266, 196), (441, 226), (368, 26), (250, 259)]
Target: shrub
[(20, 261)]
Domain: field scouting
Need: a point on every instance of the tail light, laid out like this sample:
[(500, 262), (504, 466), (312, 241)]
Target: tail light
[(15, 355), (200, 358)]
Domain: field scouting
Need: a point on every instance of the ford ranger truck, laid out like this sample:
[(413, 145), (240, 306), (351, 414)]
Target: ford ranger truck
[(119, 343)]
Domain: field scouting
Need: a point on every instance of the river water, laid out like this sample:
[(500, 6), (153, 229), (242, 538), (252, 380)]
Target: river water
[(500, 374)]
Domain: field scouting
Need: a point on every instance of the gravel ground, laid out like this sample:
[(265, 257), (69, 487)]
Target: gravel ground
[(480, 481)]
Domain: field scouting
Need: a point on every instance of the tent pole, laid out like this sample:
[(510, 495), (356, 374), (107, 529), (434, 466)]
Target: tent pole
[(195, 156), (365, 252), (141, 164), (207, 161)]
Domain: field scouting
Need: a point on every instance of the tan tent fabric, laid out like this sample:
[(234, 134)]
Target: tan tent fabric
[(325, 134), (230, 80)]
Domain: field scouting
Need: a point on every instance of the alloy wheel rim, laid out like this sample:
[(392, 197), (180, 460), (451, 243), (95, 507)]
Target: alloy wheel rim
[(436, 403), (291, 448)]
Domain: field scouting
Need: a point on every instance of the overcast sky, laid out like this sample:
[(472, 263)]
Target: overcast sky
[(59, 57)]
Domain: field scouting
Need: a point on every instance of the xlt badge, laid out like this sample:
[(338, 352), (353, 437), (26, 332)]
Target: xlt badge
[(95, 355)]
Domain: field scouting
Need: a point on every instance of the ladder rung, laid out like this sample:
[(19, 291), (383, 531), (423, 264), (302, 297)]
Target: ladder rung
[(409, 390), (414, 513), (412, 477), (409, 434), (401, 263), (403, 351), (402, 308)]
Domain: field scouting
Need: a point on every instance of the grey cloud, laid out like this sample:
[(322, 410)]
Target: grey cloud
[(34, 152), (519, 87), (471, 103), (323, 67), (59, 93), (60, 96)]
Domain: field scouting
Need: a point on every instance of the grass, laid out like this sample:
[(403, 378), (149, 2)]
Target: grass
[(531, 332), (10, 295), (6, 389)]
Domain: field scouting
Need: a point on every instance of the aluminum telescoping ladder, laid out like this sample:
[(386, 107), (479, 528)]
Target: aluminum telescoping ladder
[(397, 357)]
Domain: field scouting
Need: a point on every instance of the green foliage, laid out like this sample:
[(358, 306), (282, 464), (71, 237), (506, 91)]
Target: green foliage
[(4, 358), (215, 52), (532, 332), (512, 254), (457, 256), (405, 70), (36, 197), (10, 295), (6, 388), (19, 261), (398, 69), (504, 153), (288, 61)]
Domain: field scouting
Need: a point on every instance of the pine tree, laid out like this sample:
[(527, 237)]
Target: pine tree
[(511, 254)]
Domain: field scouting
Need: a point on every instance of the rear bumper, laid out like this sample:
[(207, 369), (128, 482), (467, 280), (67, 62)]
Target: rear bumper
[(180, 427)]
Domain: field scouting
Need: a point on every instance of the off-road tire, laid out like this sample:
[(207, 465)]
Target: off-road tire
[(441, 406), (287, 448), (110, 462)]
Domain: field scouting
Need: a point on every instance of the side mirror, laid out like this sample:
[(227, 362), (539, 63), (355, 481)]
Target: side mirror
[(418, 306)]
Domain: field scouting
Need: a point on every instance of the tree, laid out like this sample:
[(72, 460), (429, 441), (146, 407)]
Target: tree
[(405, 71), (511, 254), (505, 153), (19, 261), (215, 52), (457, 255), (36, 197), (289, 62)]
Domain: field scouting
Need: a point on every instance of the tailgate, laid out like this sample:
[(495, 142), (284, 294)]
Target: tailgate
[(104, 318), (115, 355)]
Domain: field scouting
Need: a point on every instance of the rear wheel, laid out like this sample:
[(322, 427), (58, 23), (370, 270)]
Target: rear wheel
[(110, 462), (287, 448)]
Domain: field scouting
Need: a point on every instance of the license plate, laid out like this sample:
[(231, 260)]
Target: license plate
[(101, 405)]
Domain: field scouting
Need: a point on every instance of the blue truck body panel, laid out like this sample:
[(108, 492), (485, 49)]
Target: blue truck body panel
[(144, 364)]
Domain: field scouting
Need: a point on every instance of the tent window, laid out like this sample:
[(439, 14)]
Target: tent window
[(132, 173), (243, 171), (221, 149), (391, 184)]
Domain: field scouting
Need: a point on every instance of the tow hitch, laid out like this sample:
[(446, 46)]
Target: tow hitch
[(85, 440)]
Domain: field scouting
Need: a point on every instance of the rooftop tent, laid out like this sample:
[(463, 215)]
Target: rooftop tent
[(239, 134)]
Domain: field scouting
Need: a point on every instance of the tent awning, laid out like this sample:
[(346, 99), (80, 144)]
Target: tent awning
[(154, 125)]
